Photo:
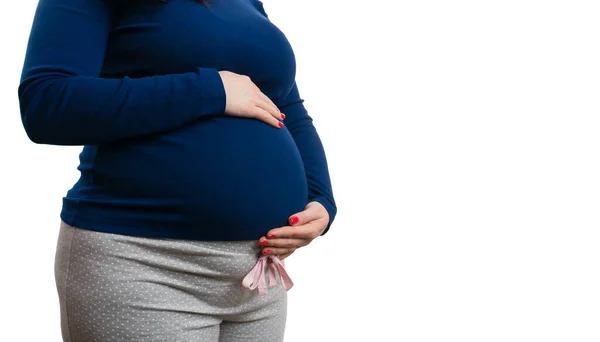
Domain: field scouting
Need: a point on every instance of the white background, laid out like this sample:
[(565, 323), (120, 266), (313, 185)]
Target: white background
[(463, 143)]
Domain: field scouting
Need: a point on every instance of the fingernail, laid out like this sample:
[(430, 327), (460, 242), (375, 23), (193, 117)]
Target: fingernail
[(270, 236), (282, 116), (280, 124), (264, 242), (267, 251), (293, 220)]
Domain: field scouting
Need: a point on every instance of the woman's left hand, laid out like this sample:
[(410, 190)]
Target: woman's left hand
[(304, 227)]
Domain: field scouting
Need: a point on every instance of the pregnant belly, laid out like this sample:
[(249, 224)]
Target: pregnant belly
[(218, 173)]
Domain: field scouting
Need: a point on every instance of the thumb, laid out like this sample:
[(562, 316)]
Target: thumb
[(310, 213)]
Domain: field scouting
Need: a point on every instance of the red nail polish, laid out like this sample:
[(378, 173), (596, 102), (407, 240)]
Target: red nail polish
[(267, 251), (282, 116), (270, 236), (293, 220), (264, 242), (280, 124)]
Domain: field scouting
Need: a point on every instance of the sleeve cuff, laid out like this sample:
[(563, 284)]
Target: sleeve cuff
[(211, 94), (331, 210)]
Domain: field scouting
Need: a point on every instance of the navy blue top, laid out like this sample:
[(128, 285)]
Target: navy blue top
[(137, 83)]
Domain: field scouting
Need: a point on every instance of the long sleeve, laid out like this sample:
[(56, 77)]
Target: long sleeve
[(64, 101), (300, 125)]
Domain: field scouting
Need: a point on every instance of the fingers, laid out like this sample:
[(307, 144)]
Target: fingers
[(245, 99), (306, 226), (278, 251), (308, 231), (272, 107), (281, 246), (265, 108), (283, 243), (266, 116), (313, 211)]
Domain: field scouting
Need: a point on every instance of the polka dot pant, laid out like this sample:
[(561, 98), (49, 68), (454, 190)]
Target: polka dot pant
[(115, 288)]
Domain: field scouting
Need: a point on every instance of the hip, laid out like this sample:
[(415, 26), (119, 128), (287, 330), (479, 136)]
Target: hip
[(120, 274), (222, 261)]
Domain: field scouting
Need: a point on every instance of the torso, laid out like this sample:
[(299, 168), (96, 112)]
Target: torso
[(220, 177)]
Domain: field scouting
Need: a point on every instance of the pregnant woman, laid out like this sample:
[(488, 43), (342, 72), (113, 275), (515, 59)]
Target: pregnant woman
[(201, 168)]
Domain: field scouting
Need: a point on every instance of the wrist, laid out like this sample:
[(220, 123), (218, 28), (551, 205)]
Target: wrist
[(330, 209)]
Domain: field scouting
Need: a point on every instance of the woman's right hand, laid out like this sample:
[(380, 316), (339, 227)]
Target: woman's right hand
[(244, 99)]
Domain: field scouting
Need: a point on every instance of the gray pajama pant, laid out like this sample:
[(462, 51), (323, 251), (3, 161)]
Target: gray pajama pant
[(118, 288)]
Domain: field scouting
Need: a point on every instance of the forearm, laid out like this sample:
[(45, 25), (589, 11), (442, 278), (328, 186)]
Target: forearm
[(87, 110), (64, 101)]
